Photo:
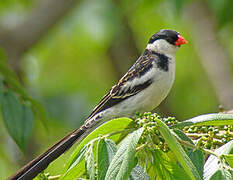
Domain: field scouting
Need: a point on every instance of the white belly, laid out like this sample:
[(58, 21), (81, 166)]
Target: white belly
[(149, 98)]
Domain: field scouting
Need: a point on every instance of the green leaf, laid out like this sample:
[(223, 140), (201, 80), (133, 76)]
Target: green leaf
[(106, 150), (229, 159), (76, 171), (12, 79), (196, 156), (80, 156), (213, 164), (106, 128), (111, 149), (138, 173), (77, 166), (177, 149), (198, 159), (182, 136), (27, 122), (90, 162), (124, 160), (165, 166), (1, 92), (40, 111), (18, 119), (221, 174), (216, 119)]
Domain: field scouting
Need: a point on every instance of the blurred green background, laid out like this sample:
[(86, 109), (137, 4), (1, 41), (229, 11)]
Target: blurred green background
[(68, 54)]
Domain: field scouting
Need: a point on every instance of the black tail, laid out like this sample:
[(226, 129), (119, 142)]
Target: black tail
[(30, 170)]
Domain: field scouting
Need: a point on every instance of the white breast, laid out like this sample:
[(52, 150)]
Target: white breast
[(149, 98)]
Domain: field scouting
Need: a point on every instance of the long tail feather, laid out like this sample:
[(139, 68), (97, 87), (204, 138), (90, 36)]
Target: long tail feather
[(30, 170)]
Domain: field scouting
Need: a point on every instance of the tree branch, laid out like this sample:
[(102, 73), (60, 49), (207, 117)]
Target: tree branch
[(17, 39), (123, 51)]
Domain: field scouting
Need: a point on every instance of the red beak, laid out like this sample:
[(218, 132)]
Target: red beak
[(180, 41)]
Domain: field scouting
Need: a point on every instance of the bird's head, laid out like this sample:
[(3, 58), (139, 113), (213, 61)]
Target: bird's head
[(166, 41)]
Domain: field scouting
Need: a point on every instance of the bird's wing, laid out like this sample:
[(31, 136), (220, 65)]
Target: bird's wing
[(129, 85)]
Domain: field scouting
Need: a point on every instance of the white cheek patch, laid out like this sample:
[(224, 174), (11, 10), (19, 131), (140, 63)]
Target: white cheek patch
[(162, 46)]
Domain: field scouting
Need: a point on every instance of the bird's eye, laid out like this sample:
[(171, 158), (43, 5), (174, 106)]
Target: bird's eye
[(171, 39)]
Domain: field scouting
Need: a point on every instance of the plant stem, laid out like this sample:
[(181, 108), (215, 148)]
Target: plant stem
[(207, 151), (54, 177), (140, 147)]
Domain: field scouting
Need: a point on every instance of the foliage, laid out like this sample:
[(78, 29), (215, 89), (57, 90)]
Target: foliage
[(70, 68), (18, 118), (17, 106), (155, 148)]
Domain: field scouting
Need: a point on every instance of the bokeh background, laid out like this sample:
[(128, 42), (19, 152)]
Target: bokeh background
[(68, 53)]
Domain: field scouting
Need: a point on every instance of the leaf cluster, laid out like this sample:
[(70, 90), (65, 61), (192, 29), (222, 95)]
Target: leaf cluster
[(18, 108), (135, 149)]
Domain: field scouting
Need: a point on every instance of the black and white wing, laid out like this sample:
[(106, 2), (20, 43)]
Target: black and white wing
[(129, 85)]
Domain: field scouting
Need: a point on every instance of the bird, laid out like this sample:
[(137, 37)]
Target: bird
[(144, 86)]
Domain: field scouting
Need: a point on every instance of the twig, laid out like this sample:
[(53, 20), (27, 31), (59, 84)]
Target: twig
[(197, 135), (54, 177), (140, 147), (207, 151)]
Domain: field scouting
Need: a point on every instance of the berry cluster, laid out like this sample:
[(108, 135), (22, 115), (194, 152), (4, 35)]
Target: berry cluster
[(151, 134), (210, 137)]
